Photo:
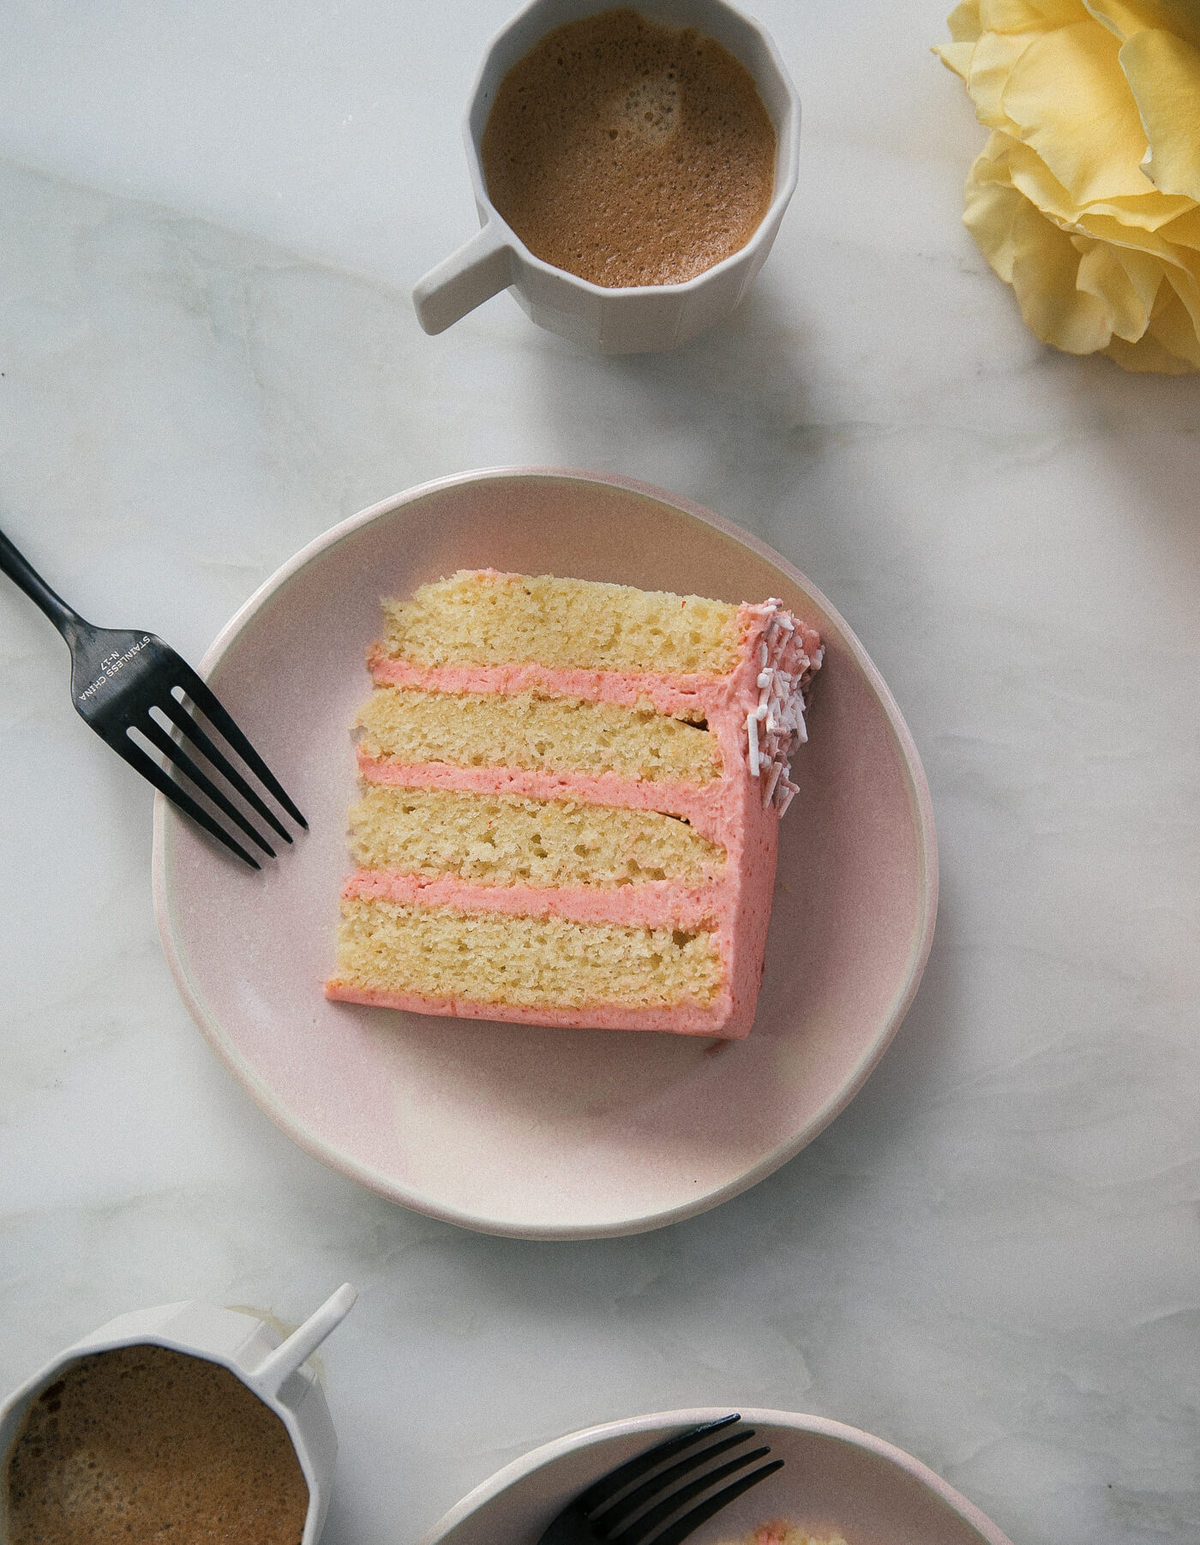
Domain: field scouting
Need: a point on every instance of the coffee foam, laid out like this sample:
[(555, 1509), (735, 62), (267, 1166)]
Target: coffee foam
[(145, 1443), (630, 153)]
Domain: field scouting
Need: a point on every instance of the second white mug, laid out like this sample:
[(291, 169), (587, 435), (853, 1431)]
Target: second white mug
[(278, 1373)]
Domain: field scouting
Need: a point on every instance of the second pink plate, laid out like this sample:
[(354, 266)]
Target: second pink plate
[(511, 1129)]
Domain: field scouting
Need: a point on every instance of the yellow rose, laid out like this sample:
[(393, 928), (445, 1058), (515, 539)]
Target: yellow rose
[(1086, 198)]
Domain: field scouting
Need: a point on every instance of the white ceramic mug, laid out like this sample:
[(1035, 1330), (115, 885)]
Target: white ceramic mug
[(615, 321), (246, 1346)]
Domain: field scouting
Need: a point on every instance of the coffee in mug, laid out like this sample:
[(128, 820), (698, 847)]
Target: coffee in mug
[(670, 188), (145, 1443), (630, 152)]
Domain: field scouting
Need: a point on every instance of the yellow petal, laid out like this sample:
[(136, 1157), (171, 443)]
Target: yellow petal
[(993, 61), (1177, 255), (1164, 75), (1125, 17), (1149, 212), (1169, 345), (1041, 262), (1126, 284), (1146, 355), (956, 57), (1122, 17), (991, 212), (1045, 281), (1146, 212), (964, 22), (1070, 102), (1175, 326), (1028, 15), (1179, 262), (1180, 265), (1184, 231), (1182, 17)]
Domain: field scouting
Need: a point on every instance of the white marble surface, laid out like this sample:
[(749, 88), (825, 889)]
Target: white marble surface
[(210, 218)]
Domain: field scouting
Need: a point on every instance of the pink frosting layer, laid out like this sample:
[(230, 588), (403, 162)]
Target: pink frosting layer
[(702, 805), (655, 904), (739, 810), (669, 694)]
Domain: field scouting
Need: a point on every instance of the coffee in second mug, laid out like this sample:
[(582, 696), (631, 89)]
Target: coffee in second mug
[(184, 1417), (647, 155)]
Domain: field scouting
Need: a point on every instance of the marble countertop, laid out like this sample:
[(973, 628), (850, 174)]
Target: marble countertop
[(211, 216)]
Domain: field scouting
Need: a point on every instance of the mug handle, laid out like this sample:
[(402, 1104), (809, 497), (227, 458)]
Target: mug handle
[(278, 1366), (477, 271)]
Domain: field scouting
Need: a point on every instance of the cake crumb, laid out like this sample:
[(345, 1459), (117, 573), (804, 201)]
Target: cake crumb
[(780, 1532)]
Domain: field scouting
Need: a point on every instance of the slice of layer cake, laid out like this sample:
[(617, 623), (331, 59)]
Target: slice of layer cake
[(570, 800)]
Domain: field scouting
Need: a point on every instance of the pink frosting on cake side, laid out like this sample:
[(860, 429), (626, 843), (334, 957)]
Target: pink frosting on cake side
[(756, 715)]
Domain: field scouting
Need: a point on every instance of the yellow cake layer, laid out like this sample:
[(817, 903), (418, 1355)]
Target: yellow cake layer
[(483, 618), (531, 731), (501, 839), (522, 961)]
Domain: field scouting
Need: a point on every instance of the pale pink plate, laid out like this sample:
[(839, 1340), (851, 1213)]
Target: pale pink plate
[(550, 1134), (835, 1479)]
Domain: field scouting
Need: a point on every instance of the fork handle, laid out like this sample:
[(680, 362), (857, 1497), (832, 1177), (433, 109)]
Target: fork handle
[(23, 574)]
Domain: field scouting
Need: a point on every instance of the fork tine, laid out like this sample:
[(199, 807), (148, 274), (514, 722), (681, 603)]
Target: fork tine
[(690, 1522), (616, 1480), (161, 741), (165, 784), (664, 1480), (187, 726), (213, 710), (646, 1524)]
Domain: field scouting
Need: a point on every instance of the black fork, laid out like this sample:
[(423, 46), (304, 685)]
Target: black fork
[(131, 688), (617, 1511)]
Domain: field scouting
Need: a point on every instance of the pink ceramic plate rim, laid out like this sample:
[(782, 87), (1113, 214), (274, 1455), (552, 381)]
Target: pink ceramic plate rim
[(664, 1422), (166, 824)]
